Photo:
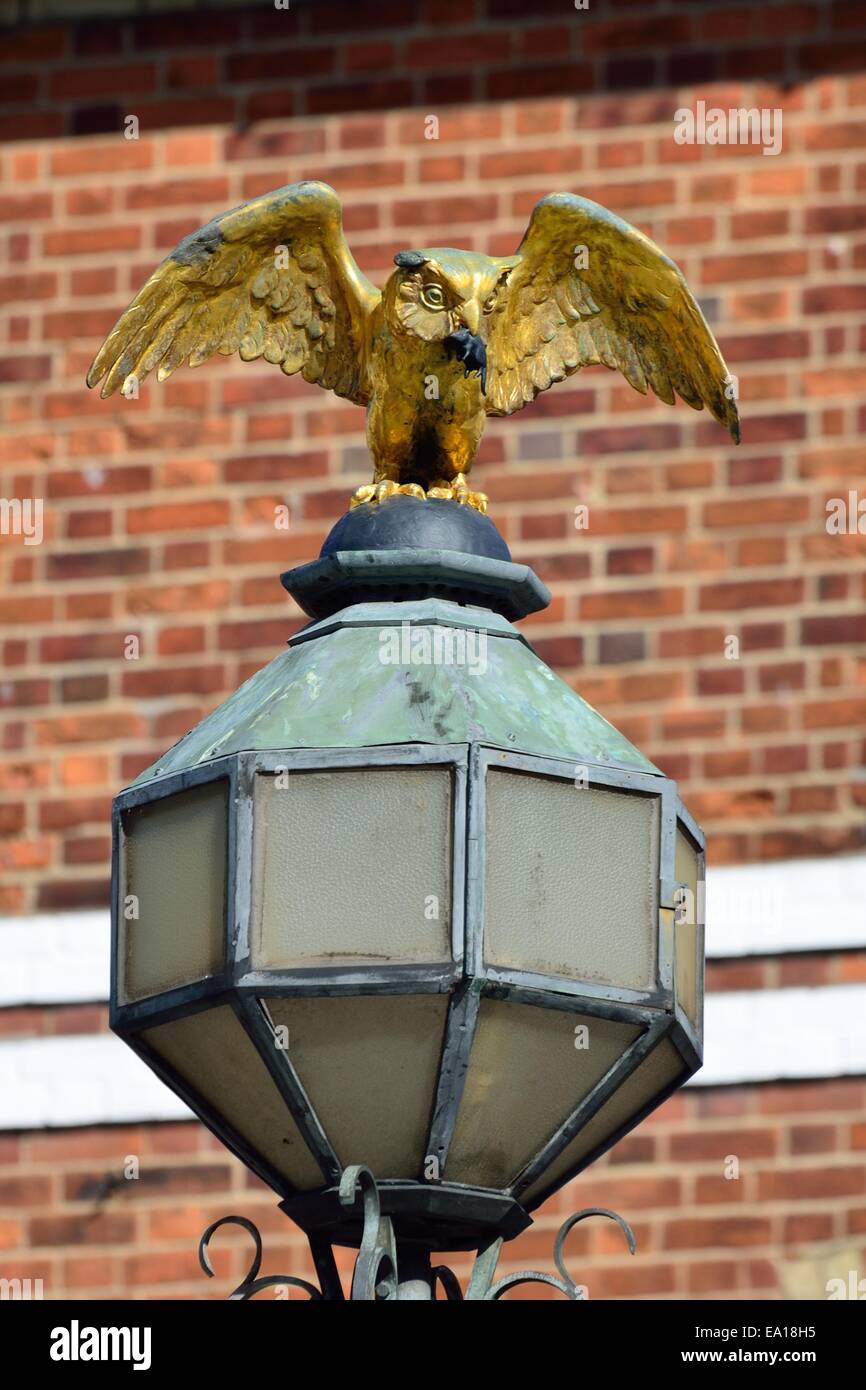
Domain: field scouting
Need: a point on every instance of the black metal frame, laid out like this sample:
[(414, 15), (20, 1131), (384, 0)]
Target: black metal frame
[(455, 1215), (601, 778), (695, 1032), (383, 1258)]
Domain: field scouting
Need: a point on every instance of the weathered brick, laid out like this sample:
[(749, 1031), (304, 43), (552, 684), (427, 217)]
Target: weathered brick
[(689, 536)]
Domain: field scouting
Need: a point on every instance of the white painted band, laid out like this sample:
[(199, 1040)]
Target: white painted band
[(63, 958), (90, 1079), (761, 1035), (752, 909), (783, 1034), (786, 905)]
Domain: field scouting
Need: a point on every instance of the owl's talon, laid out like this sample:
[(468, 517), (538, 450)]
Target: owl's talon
[(386, 489), (455, 491), (380, 492), (465, 498), (477, 500)]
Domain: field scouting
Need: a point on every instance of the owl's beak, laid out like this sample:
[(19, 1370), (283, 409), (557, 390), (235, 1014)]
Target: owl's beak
[(470, 316)]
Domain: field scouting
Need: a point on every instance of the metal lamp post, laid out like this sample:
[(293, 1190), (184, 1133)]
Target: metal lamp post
[(406, 906)]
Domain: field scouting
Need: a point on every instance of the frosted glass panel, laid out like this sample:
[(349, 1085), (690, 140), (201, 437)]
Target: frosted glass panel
[(175, 871), (663, 1065), (526, 1076), (369, 1066), (352, 866), (213, 1053), (688, 929), (572, 880)]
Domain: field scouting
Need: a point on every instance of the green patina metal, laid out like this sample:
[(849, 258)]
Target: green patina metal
[(335, 688)]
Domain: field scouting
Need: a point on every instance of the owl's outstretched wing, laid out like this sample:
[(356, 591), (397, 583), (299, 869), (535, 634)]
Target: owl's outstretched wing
[(590, 288), (274, 278)]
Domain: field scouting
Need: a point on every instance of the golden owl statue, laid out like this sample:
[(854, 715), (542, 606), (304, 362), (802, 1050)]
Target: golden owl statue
[(454, 336)]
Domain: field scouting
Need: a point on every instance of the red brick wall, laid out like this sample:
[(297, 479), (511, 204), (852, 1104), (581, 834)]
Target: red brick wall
[(787, 1224), (159, 512), (800, 1201)]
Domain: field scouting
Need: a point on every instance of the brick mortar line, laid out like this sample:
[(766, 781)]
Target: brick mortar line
[(596, 137), (515, 63)]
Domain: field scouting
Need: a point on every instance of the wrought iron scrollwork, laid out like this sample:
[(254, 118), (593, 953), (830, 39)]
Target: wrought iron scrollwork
[(250, 1285), (441, 1274), (566, 1285), (376, 1277)]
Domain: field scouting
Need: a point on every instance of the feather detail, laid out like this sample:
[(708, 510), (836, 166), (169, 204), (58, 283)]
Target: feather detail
[(629, 309), (273, 278)]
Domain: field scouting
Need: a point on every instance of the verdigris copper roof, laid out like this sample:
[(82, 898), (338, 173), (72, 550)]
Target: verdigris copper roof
[(336, 687)]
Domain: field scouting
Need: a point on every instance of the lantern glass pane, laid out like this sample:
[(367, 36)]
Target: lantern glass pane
[(172, 910), (688, 929), (352, 866), (213, 1053), (657, 1071), (369, 1065), (528, 1070), (572, 880)]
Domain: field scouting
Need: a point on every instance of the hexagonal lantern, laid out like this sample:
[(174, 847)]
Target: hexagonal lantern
[(405, 900)]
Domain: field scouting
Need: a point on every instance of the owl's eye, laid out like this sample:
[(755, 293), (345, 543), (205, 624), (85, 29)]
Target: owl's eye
[(433, 297), (490, 303)]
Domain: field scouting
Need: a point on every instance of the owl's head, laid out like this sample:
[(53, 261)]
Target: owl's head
[(434, 292)]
